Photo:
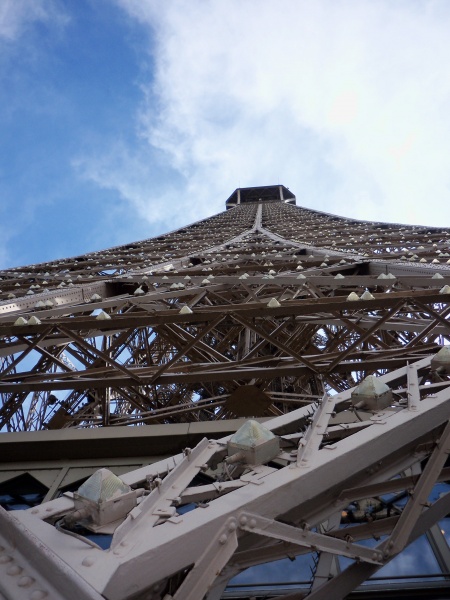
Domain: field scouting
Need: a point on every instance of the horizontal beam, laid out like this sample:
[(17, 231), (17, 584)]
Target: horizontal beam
[(109, 442)]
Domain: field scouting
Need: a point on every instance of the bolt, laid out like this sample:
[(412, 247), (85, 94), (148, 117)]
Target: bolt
[(252, 523), (25, 581), (14, 570), (243, 520), (232, 526), (88, 561), (5, 559), (223, 539), (38, 595)]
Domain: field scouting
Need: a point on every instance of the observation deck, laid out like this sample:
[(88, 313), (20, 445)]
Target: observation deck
[(267, 193)]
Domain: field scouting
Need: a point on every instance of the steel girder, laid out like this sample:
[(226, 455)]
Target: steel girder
[(250, 514), (266, 310), (102, 341)]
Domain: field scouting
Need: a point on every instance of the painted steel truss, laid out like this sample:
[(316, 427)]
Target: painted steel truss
[(330, 461), (267, 310), (290, 301)]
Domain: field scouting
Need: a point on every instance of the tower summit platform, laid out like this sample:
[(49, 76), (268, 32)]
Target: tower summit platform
[(266, 193)]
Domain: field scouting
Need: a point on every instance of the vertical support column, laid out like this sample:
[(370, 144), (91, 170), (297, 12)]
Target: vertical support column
[(258, 219), (413, 388), (238, 196)]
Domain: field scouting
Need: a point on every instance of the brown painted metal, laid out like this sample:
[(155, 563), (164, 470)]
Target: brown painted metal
[(150, 364)]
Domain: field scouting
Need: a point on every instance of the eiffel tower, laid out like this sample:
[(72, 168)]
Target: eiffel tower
[(263, 313)]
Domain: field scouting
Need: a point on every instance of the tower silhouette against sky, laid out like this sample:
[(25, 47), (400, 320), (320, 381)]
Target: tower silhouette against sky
[(322, 340)]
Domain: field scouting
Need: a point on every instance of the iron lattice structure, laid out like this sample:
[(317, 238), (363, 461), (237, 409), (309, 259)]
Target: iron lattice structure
[(332, 332), (148, 361)]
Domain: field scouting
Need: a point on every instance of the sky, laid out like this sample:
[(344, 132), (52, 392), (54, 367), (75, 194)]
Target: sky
[(123, 119)]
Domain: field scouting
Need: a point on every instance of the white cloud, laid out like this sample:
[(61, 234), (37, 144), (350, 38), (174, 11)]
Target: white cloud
[(346, 102), (17, 15)]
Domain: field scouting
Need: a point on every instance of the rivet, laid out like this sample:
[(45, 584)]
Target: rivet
[(5, 559), (38, 595), (124, 543), (88, 561), (243, 520), (48, 509), (231, 525), (25, 581), (223, 538), (252, 523), (34, 511), (14, 570)]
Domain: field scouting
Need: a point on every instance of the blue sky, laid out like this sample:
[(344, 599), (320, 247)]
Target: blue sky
[(122, 119)]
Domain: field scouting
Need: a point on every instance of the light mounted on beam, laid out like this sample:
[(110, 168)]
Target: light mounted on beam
[(102, 502), (372, 394), (253, 444)]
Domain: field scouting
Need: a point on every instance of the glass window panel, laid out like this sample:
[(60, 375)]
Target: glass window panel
[(279, 572), (417, 562), (445, 528)]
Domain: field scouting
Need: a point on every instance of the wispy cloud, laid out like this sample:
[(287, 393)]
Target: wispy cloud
[(345, 102), (17, 15), (149, 187)]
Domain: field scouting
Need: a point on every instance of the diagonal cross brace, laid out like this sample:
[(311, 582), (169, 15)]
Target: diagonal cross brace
[(418, 500), (208, 568), (160, 502), (303, 537)]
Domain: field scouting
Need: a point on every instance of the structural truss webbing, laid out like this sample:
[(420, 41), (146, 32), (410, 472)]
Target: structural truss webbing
[(267, 310)]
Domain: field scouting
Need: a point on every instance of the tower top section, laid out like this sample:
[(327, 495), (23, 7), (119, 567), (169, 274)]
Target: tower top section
[(267, 193)]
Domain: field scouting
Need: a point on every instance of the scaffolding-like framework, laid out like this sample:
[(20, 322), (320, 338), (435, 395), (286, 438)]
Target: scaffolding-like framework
[(267, 311)]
